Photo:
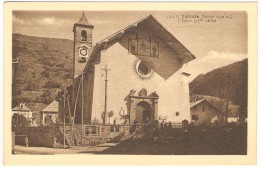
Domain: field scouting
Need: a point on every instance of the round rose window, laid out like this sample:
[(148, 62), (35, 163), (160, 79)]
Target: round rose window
[(143, 69)]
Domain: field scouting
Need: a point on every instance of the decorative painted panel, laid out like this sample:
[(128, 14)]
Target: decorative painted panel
[(143, 47)]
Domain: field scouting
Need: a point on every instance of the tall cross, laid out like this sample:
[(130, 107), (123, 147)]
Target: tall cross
[(106, 71), (105, 108)]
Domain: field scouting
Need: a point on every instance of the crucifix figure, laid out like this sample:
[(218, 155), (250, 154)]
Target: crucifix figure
[(105, 108)]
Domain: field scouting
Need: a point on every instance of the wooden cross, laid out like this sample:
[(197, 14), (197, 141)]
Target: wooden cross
[(106, 71)]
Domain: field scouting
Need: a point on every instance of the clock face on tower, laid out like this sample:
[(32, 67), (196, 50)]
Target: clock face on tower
[(83, 52)]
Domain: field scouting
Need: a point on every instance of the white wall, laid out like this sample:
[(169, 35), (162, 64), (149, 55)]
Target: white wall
[(209, 115), (27, 114), (173, 92)]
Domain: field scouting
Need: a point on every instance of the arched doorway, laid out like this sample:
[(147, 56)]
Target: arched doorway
[(143, 112)]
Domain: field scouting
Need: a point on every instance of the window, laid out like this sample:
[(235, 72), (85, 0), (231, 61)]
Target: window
[(143, 69), (83, 35), (203, 108), (194, 117)]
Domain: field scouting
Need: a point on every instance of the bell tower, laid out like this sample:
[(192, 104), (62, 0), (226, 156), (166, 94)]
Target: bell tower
[(82, 44)]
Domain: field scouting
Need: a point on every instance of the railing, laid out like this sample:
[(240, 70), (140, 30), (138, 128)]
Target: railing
[(112, 129)]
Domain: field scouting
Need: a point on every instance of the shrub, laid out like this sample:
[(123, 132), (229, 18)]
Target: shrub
[(47, 97), (69, 75), (19, 121), (48, 62), (31, 87), (45, 73), (52, 84), (60, 65)]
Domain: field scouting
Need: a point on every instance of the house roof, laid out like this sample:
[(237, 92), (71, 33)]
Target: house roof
[(36, 107), (200, 101), (192, 104), (184, 54), (24, 108), (52, 107)]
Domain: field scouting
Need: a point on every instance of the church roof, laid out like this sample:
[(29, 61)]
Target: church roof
[(52, 107), (182, 52), (83, 21)]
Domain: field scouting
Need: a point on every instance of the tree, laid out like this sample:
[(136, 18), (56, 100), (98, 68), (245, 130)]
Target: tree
[(95, 121), (31, 87), (110, 114), (19, 121), (47, 97)]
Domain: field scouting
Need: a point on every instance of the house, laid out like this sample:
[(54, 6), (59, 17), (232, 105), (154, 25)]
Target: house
[(49, 114), (136, 73), (22, 109), (204, 112), (21, 116), (233, 113), (36, 112)]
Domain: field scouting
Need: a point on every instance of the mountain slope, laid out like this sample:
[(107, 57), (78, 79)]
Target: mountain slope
[(215, 83), (44, 65)]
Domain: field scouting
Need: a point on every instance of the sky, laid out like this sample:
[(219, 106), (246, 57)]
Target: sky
[(217, 43)]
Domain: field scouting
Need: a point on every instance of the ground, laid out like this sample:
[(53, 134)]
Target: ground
[(166, 147), (74, 150), (229, 140)]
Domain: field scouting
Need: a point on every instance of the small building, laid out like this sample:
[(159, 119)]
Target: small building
[(233, 113), (22, 109), (204, 112), (36, 112), (49, 114)]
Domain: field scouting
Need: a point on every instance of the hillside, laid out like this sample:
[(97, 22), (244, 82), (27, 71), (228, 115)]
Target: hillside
[(44, 65), (215, 83)]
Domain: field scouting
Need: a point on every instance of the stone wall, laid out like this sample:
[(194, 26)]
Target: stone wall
[(37, 136), (53, 136), (92, 134)]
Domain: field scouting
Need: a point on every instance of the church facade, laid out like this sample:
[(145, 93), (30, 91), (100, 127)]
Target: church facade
[(132, 76)]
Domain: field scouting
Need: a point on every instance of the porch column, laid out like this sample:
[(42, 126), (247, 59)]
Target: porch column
[(155, 108), (132, 111)]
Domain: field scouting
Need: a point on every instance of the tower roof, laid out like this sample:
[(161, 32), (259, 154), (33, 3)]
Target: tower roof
[(83, 21)]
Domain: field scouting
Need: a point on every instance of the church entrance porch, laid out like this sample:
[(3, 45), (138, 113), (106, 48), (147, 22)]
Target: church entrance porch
[(142, 108), (143, 112)]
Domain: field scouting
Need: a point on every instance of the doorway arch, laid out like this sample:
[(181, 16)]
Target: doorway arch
[(143, 112)]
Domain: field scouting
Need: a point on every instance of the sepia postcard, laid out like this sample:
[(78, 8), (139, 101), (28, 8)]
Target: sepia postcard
[(157, 83)]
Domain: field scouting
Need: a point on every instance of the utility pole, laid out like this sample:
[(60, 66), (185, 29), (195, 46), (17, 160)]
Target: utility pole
[(74, 113), (64, 101), (14, 69), (82, 108), (227, 101), (105, 108)]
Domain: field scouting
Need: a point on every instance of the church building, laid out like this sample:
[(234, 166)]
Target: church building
[(134, 75)]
